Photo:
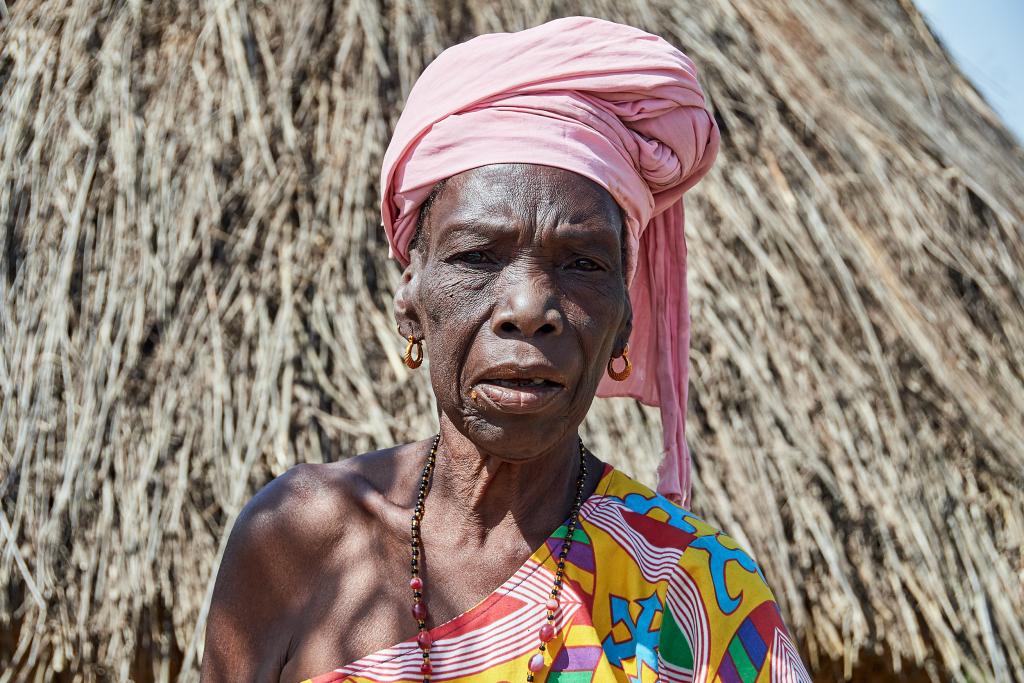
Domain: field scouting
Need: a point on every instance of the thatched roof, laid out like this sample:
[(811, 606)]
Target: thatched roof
[(195, 294)]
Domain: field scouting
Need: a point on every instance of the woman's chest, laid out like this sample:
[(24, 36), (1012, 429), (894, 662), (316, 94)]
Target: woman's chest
[(362, 604), (497, 639)]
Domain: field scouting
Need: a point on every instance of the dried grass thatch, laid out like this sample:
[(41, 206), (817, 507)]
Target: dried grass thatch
[(195, 294)]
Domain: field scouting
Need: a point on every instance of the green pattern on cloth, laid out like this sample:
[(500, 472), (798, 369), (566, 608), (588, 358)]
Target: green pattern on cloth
[(673, 646)]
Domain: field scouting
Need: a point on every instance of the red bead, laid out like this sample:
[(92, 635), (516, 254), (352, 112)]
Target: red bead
[(551, 605), (536, 662), (547, 632), (416, 583), (419, 611), (423, 638), (425, 667)]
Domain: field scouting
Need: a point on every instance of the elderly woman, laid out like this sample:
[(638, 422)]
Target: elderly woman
[(533, 191)]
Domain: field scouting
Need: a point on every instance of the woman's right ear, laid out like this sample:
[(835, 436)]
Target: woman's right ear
[(406, 303)]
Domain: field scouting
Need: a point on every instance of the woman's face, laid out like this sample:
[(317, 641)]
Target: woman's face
[(517, 289)]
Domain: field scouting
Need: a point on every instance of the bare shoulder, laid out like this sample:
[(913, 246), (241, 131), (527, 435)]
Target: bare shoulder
[(302, 503), (287, 534), (310, 504)]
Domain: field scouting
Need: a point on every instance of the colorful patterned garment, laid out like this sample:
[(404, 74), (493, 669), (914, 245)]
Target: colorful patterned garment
[(651, 594)]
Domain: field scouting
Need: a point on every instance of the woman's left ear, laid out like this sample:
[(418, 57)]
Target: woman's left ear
[(406, 297), (627, 329)]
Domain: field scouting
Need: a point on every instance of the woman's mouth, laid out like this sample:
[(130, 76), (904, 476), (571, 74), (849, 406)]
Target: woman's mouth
[(519, 395)]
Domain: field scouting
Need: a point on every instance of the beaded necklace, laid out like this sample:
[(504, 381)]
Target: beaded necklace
[(419, 608)]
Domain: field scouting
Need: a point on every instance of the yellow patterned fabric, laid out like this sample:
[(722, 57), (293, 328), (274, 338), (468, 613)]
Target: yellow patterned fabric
[(651, 593)]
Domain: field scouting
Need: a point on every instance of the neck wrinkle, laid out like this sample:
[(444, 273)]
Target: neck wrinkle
[(477, 493)]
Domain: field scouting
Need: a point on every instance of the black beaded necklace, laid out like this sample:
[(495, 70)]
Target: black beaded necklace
[(419, 608)]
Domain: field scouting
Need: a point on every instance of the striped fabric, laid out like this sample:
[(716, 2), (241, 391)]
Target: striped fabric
[(652, 593)]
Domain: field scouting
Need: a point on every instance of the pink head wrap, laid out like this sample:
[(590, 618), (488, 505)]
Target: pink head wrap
[(611, 102)]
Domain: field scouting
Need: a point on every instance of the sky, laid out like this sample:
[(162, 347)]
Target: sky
[(986, 38)]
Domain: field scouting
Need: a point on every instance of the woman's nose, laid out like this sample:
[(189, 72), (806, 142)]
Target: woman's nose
[(528, 307)]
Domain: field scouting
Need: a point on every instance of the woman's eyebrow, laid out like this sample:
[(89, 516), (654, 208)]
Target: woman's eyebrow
[(571, 233), (576, 226), (485, 228), (584, 233)]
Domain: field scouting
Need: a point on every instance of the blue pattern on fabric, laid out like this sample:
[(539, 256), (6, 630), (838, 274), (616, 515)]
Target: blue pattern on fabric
[(677, 516), (719, 556), (643, 640)]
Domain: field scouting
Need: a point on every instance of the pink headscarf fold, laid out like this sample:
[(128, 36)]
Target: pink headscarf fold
[(610, 102)]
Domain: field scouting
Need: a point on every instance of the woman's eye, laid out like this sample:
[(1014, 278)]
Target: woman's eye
[(472, 257), (585, 264)]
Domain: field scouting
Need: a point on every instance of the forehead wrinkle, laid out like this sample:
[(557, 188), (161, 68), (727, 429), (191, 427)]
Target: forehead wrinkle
[(469, 212), (533, 203), (471, 216), (555, 220)]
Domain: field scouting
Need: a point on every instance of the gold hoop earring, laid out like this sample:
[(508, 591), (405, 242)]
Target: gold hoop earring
[(408, 359), (620, 375)]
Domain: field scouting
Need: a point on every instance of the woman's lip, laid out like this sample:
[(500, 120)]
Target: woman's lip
[(522, 399)]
